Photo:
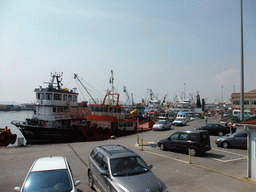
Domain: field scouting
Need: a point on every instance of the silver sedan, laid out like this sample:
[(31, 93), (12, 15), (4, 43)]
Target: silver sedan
[(238, 139), (162, 125)]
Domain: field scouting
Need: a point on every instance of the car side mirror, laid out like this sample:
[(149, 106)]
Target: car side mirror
[(150, 166), (17, 188), (78, 182), (103, 172)]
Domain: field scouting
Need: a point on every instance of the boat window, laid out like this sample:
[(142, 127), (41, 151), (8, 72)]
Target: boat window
[(100, 109), (120, 124), (54, 109), (70, 98), (124, 124), (48, 96), (40, 96), (59, 109), (96, 109), (57, 96), (119, 110), (105, 109), (74, 98), (65, 97)]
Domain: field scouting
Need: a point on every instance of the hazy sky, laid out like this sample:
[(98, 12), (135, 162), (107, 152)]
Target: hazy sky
[(158, 45)]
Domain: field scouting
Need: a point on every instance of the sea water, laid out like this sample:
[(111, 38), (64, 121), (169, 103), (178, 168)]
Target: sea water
[(6, 117)]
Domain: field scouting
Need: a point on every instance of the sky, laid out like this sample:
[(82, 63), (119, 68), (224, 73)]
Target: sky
[(179, 47)]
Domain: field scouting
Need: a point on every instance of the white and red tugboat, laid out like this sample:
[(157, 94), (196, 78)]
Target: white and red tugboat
[(56, 112)]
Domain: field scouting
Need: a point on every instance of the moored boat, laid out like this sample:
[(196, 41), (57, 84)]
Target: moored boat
[(57, 109), (6, 137), (108, 118)]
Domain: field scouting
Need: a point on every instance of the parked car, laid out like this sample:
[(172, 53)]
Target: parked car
[(197, 141), (238, 139), (180, 121), (215, 129), (49, 174), (162, 125), (117, 168)]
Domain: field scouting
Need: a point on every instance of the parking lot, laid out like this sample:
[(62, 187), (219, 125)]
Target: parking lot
[(217, 170)]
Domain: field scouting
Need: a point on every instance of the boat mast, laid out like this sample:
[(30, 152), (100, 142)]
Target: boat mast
[(111, 81), (76, 77)]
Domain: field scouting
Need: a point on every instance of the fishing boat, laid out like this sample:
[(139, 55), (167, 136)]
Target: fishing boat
[(57, 110), (108, 118), (6, 137)]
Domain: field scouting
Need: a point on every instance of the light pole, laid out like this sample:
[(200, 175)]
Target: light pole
[(184, 90), (234, 88), (242, 69), (222, 94)]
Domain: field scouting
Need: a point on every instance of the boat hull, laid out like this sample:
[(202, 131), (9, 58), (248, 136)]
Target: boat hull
[(38, 134)]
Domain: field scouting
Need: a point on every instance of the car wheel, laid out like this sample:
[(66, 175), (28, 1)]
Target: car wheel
[(90, 180), (225, 144), (162, 147), (192, 151), (220, 133)]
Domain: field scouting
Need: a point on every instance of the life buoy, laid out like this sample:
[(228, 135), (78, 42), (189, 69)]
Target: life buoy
[(3, 137), (44, 124)]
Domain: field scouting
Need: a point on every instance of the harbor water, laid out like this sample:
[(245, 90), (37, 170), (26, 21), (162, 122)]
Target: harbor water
[(6, 118)]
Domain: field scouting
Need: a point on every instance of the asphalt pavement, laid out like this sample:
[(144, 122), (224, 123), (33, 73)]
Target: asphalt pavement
[(218, 170)]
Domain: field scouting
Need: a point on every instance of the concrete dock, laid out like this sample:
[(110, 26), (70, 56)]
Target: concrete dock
[(218, 170)]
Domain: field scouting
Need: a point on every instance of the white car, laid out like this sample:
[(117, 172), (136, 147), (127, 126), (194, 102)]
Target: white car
[(180, 121), (49, 174), (162, 125)]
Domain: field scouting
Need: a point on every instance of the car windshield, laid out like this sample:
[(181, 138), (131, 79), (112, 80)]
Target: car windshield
[(54, 180), (160, 122), (128, 166)]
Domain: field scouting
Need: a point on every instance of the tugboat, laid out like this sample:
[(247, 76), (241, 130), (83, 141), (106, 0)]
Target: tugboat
[(6, 137), (56, 112), (108, 118)]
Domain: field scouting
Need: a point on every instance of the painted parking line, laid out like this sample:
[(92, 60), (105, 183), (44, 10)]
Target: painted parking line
[(166, 157), (241, 157), (229, 152)]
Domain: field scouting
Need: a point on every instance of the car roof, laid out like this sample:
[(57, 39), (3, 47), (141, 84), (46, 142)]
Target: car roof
[(49, 163), (192, 131), (115, 151)]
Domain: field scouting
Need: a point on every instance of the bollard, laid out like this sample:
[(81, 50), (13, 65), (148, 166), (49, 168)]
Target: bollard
[(189, 155), (141, 149), (138, 139)]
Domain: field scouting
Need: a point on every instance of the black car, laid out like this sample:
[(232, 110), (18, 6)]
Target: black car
[(215, 129), (198, 141)]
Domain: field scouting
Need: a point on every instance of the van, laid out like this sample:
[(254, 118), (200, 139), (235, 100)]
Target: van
[(196, 141), (247, 114)]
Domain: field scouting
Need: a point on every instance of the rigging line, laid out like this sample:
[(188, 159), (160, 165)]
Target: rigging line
[(91, 87), (69, 82), (80, 90)]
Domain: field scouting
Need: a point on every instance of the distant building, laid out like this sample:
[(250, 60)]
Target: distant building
[(249, 101)]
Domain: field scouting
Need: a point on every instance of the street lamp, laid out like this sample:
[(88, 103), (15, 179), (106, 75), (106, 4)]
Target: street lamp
[(222, 94), (242, 69), (184, 90)]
